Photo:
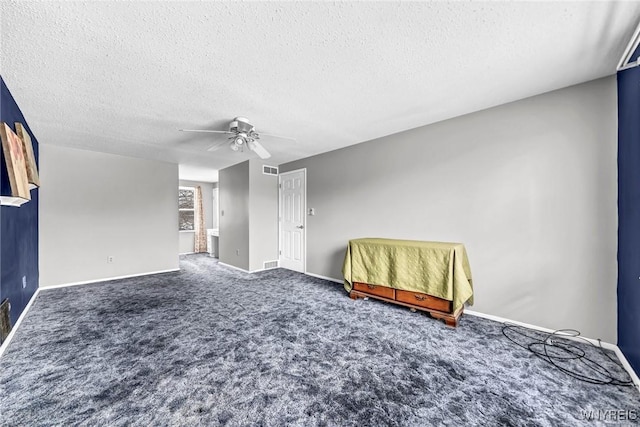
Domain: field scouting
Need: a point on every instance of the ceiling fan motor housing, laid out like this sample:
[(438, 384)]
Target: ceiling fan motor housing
[(240, 125)]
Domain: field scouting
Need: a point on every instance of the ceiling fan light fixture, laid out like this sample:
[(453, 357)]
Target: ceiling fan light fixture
[(239, 140), (233, 146)]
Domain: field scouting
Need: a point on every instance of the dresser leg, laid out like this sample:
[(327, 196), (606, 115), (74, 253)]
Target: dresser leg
[(451, 321)]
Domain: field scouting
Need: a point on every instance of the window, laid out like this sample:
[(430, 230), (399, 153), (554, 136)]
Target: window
[(186, 208)]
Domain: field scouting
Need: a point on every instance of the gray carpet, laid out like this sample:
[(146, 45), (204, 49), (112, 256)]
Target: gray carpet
[(213, 346)]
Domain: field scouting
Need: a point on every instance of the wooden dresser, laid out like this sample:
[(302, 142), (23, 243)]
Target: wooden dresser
[(438, 308), (434, 277)]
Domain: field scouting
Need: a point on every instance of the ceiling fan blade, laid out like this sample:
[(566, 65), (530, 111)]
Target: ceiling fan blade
[(259, 149), (205, 131), (217, 146), (277, 136)]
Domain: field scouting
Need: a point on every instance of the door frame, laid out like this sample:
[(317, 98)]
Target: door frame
[(304, 217)]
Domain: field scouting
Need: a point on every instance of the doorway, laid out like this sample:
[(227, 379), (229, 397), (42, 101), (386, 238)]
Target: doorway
[(292, 219)]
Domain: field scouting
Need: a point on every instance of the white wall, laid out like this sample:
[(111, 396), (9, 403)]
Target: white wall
[(249, 225), (233, 188), (529, 187), (187, 238), (95, 205), (263, 216)]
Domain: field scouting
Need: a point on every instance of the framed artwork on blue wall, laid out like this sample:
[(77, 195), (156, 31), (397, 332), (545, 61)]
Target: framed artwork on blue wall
[(13, 153), (29, 156)]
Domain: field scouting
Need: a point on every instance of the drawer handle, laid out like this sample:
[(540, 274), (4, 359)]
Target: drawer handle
[(370, 286), (420, 297)]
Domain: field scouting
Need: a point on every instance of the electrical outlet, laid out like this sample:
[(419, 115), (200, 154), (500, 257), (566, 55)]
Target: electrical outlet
[(24, 282), (110, 259), (312, 211)]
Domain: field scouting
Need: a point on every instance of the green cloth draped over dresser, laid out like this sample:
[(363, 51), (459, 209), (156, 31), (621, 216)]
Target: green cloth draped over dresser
[(434, 268)]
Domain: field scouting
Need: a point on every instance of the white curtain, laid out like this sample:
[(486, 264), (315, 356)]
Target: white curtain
[(200, 241)]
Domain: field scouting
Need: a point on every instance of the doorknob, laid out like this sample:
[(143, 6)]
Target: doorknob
[(300, 226)]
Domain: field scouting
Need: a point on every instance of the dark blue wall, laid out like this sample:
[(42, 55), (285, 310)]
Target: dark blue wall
[(629, 215), (18, 226)]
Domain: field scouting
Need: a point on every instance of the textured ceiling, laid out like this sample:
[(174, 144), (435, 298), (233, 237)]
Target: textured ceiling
[(123, 77)]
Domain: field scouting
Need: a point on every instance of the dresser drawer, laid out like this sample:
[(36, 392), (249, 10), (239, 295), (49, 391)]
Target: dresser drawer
[(381, 291), (424, 300)]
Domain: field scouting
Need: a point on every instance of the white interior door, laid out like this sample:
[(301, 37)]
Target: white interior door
[(293, 201)]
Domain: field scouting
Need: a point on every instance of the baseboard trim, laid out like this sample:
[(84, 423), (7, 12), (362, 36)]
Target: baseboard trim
[(606, 345), (187, 253), (106, 279), (330, 279), (6, 342), (247, 271), (234, 267), (628, 367), (499, 319)]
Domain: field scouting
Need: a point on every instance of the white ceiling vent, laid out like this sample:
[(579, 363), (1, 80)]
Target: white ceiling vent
[(269, 170)]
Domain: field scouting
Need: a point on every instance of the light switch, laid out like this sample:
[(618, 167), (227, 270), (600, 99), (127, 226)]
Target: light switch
[(312, 211)]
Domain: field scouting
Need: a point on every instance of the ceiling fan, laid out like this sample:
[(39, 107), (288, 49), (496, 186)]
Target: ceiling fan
[(243, 134)]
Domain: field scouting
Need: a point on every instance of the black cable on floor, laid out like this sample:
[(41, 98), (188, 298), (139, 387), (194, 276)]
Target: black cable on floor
[(559, 349)]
